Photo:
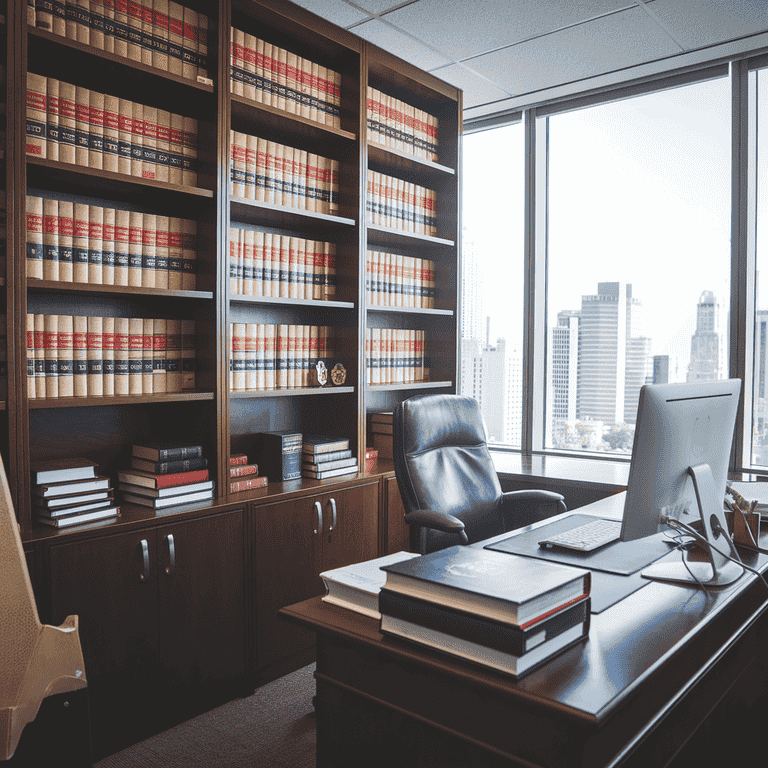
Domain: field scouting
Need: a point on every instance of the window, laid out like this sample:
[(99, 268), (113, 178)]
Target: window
[(638, 257), (492, 273)]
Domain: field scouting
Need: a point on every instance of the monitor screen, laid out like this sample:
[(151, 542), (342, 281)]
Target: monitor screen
[(680, 458)]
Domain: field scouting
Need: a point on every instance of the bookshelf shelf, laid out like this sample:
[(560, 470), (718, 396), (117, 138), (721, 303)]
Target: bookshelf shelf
[(297, 392), (55, 286), (392, 159), (411, 311), (89, 402), (408, 385), (252, 211), (238, 298), (385, 235)]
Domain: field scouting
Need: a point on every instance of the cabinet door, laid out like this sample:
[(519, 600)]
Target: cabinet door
[(288, 547), (200, 597), (111, 584), (353, 535)]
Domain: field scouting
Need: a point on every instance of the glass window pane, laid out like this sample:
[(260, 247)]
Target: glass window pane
[(492, 264), (638, 257)]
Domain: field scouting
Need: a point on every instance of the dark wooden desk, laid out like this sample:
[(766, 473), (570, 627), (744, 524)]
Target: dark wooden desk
[(668, 676)]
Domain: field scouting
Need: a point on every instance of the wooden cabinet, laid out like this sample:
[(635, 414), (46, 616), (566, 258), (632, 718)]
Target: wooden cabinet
[(161, 621), (293, 542), (395, 536)]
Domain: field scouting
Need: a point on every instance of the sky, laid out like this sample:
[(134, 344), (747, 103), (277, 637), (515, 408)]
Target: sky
[(639, 192)]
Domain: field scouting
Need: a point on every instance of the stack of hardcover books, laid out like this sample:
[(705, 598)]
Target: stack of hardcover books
[(70, 492), (323, 457), (280, 455), (501, 611), (380, 433), (166, 475), (245, 473)]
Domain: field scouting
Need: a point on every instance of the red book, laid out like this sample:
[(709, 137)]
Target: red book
[(237, 458), (248, 484), (244, 469), (150, 480)]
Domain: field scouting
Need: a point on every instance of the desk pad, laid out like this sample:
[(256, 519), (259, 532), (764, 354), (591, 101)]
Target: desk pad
[(615, 568)]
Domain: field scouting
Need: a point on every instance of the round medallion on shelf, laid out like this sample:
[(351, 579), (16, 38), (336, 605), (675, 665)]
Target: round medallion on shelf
[(338, 374)]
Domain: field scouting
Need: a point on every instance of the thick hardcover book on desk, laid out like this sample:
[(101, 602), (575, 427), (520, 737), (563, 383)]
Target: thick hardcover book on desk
[(516, 590)]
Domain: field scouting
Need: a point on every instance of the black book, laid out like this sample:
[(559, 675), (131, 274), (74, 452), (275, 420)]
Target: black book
[(521, 591), (489, 633), (163, 452), (279, 455), (168, 467), (322, 458)]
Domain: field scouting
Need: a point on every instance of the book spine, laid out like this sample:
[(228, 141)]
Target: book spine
[(34, 221), (189, 44), (109, 26), (175, 37), (188, 347), (122, 357), (173, 355), (169, 467), (31, 392), (162, 251), (149, 146), (189, 152), (36, 143), (147, 355), (135, 355), (121, 28), (242, 470), (40, 386), (260, 383), (251, 281), (238, 356), (250, 356), (124, 136), (159, 364), (80, 243), (247, 484), (134, 25), (270, 376), (95, 357), (53, 110), (163, 145), (95, 241), (111, 141), (65, 362), (189, 254), (67, 122), (122, 247), (107, 247), (135, 248), (160, 35), (108, 356), (80, 356), (175, 254), (96, 102), (137, 140), (51, 347), (82, 125), (148, 251), (50, 239)]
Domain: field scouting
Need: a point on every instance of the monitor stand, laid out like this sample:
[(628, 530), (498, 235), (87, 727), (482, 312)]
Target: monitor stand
[(719, 571)]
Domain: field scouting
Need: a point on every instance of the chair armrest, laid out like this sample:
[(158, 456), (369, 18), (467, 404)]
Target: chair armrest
[(436, 520), (540, 505)]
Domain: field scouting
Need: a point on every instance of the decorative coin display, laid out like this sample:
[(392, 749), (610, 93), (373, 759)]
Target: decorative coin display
[(338, 374)]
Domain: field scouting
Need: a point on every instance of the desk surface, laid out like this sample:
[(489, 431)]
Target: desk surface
[(649, 648)]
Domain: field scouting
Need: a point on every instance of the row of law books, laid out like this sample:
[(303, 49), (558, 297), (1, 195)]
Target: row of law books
[(269, 172), (68, 492), (266, 264), (399, 204), (73, 124), (75, 242), (80, 356), (396, 356), (324, 456), (268, 74), (503, 612), (157, 33), (264, 356), (163, 475), (400, 126), (395, 280)]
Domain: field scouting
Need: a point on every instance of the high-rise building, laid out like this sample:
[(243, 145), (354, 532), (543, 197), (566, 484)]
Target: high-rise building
[(660, 369), (708, 349), (472, 290), (613, 354), (562, 367), (760, 390)]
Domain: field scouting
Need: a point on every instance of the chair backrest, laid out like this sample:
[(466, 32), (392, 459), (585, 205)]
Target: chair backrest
[(442, 464)]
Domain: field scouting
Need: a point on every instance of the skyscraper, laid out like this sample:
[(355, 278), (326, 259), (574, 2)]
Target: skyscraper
[(613, 354), (563, 352), (708, 348)]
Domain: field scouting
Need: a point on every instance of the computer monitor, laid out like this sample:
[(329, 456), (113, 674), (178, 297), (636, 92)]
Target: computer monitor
[(679, 469)]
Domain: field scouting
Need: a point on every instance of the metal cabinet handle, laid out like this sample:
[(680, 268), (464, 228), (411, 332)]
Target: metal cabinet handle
[(333, 514), (144, 575), (319, 510), (171, 567)]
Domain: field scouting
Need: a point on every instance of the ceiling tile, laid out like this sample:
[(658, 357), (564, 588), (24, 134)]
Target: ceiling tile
[(696, 23), (606, 44), (477, 90), (462, 28), (337, 11), (399, 44), (378, 6)]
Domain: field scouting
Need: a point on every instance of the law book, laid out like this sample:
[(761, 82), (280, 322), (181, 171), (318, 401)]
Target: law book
[(357, 586), (66, 498), (279, 454), (164, 493), (50, 239), (176, 149), (122, 247), (173, 355), (39, 321), (502, 661), (109, 26), (163, 145), (189, 44), (95, 357), (149, 143), (96, 130), (107, 247), (158, 356), (324, 474), (321, 459), (82, 125), (251, 355), (189, 152), (175, 37), (170, 501), (147, 32), (241, 470), (521, 591), (155, 481), (317, 444), (248, 484), (124, 136), (30, 327), (189, 254), (70, 509), (95, 242), (134, 25), (80, 243), (34, 222), (66, 242), (237, 163), (51, 348), (237, 345), (121, 28), (135, 355), (324, 466), (168, 467), (108, 356), (53, 110), (135, 248), (203, 66), (500, 636), (149, 250), (171, 451), (122, 356), (73, 489), (137, 140), (80, 356), (80, 518), (65, 355), (188, 347), (47, 471), (236, 459), (160, 35)]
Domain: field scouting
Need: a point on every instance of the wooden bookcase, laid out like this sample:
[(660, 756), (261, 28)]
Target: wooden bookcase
[(233, 542)]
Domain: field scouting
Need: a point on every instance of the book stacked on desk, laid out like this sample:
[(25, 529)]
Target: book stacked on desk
[(380, 433), (501, 611), (323, 457), (166, 475), (244, 473), (70, 492)]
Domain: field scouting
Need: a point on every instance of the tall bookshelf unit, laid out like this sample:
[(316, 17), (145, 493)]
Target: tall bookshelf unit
[(177, 607)]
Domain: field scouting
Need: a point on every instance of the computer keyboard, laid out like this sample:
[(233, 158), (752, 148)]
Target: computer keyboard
[(587, 537)]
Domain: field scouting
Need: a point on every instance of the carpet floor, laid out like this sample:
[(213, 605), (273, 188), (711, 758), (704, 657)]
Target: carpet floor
[(273, 728)]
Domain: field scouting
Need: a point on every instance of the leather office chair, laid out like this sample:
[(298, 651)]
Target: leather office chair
[(447, 479)]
